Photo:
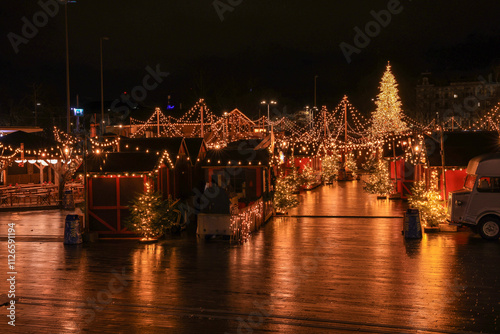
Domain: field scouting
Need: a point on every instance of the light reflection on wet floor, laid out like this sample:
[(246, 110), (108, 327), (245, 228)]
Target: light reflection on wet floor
[(295, 275)]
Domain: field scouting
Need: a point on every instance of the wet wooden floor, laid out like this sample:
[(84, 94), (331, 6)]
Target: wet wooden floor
[(296, 275)]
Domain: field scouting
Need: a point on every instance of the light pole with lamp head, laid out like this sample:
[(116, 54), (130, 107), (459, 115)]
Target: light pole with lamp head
[(268, 119), (37, 104), (68, 99), (102, 87)]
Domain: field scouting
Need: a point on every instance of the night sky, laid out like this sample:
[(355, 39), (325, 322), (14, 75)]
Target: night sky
[(261, 49)]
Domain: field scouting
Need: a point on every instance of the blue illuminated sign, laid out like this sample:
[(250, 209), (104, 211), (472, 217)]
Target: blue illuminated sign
[(77, 112)]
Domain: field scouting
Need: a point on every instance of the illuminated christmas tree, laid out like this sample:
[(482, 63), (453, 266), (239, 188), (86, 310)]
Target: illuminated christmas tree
[(387, 118), (351, 164), (379, 182), (295, 179), (428, 202), (330, 165), (308, 178), (371, 163), (284, 197), (150, 216)]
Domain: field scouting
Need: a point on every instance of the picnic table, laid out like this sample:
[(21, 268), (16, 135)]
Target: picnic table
[(40, 194)]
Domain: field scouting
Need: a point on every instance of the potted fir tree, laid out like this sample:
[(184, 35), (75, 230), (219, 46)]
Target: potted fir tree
[(330, 167), (429, 204), (379, 182), (284, 197), (151, 216)]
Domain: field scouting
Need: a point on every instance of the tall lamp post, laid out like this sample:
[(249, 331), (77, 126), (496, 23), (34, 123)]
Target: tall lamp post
[(37, 104), (68, 102), (102, 87), (67, 70), (268, 119)]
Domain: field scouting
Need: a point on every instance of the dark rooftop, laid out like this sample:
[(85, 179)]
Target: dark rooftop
[(123, 162), (31, 141)]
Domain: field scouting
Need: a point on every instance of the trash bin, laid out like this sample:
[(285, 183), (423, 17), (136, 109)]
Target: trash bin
[(411, 225), (68, 200), (72, 232)]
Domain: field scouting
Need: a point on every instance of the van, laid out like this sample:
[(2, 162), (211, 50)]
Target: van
[(477, 205)]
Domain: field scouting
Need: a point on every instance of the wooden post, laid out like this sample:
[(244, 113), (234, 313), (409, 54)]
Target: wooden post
[(49, 172), (345, 134), (158, 122), (227, 128), (202, 130), (40, 168), (324, 121), (85, 185), (395, 165), (443, 163), (58, 171)]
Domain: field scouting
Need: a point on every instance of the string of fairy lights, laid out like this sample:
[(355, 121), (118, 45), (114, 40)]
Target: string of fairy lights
[(164, 160), (486, 121), (105, 143), (341, 129), (14, 152), (64, 138), (242, 220)]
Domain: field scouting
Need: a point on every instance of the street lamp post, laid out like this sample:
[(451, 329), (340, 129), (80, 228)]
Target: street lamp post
[(268, 119), (37, 104), (68, 100), (102, 87), (67, 70)]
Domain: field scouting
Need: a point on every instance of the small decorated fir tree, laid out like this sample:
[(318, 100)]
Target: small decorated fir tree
[(150, 216), (371, 163), (330, 166), (351, 164), (308, 178), (428, 202), (379, 182), (284, 197), (295, 179)]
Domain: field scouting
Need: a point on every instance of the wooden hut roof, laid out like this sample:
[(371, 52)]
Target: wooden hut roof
[(244, 144), (122, 162), (238, 114), (194, 146)]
